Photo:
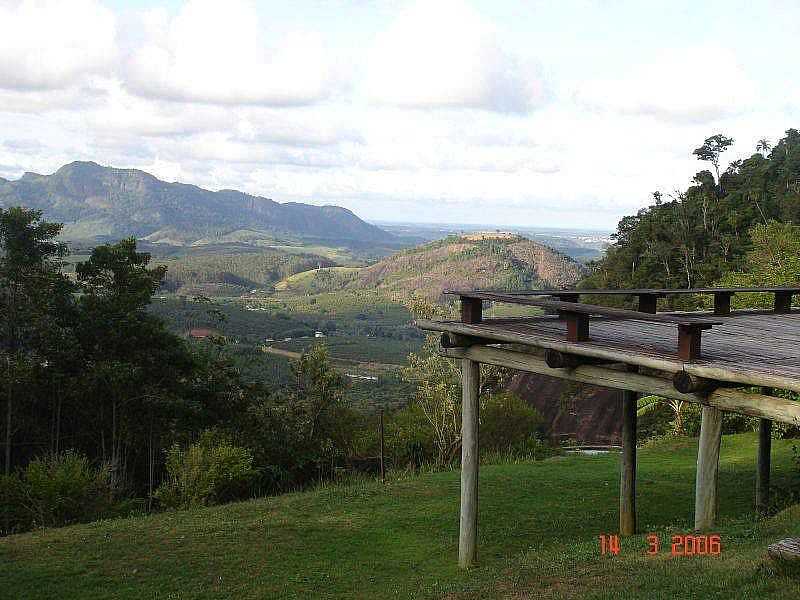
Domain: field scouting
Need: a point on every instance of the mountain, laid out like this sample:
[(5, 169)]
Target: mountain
[(96, 202), (480, 260)]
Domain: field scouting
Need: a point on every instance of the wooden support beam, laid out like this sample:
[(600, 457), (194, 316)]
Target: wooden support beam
[(730, 399), (722, 303), (627, 472), (686, 383), (564, 360), (471, 310), (647, 303), (763, 461), (577, 326), (468, 524), (706, 499), (455, 340)]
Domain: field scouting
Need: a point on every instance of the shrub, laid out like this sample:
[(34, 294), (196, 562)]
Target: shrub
[(56, 490), (508, 424), (210, 471), (409, 438)]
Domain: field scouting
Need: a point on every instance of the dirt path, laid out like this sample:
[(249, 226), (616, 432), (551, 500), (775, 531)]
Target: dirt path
[(341, 362)]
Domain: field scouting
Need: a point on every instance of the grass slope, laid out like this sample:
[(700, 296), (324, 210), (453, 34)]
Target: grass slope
[(538, 539)]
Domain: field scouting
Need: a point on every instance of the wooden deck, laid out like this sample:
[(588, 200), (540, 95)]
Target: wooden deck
[(752, 348), (706, 356)]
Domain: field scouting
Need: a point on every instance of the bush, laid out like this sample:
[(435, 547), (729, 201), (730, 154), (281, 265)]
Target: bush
[(211, 471), (409, 438), (55, 490), (508, 424)]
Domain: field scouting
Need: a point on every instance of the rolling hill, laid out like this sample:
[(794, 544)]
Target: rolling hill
[(100, 203), (485, 260)]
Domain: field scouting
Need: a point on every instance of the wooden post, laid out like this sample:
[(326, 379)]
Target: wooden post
[(383, 470), (468, 529), (763, 461), (783, 302), (722, 303), (471, 310), (706, 499), (627, 474), (647, 303), (577, 326)]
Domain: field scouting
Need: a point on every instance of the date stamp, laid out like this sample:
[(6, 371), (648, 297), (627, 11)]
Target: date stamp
[(683, 545)]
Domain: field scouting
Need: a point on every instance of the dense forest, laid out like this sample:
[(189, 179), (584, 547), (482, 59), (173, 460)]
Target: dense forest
[(693, 237)]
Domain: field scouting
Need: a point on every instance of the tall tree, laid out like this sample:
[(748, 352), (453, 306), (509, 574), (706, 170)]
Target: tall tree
[(31, 288), (712, 149)]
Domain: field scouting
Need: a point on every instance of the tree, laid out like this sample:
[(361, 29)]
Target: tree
[(712, 148), (764, 146), (31, 291)]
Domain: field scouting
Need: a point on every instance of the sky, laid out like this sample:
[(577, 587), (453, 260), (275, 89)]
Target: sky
[(499, 112)]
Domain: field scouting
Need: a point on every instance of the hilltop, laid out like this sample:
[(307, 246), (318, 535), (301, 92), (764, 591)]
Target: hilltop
[(100, 203), (477, 260)]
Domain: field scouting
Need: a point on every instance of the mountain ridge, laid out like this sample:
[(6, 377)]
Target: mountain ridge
[(99, 202)]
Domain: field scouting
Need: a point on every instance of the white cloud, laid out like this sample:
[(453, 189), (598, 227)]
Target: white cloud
[(687, 85), (444, 54), (213, 52), (51, 44)]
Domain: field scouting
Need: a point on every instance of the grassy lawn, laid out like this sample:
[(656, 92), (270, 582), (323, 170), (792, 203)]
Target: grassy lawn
[(539, 524)]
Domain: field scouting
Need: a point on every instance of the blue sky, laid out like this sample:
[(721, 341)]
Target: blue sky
[(527, 113)]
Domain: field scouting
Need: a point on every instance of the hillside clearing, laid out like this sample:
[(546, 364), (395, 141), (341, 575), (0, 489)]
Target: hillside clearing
[(539, 524)]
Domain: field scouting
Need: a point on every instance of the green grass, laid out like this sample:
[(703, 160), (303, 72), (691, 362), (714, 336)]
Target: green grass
[(539, 524)]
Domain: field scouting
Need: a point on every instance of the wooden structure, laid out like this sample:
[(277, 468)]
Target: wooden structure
[(705, 358)]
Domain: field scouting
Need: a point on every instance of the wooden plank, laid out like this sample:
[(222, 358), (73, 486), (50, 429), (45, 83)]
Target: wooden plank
[(729, 399), (468, 523), (627, 479), (706, 500)]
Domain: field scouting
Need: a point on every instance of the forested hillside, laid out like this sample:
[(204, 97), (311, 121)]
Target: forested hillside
[(694, 236), (490, 260), (234, 273)]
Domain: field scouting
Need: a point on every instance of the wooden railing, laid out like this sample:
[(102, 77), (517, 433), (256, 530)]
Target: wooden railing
[(649, 296), (576, 314)]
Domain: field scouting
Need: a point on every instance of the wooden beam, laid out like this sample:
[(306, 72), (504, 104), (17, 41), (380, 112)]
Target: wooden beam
[(763, 462), (562, 360), (455, 340), (706, 499), (687, 383), (471, 310), (468, 524), (730, 399), (627, 472)]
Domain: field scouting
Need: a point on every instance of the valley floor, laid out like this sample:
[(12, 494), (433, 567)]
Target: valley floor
[(539, 528)]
